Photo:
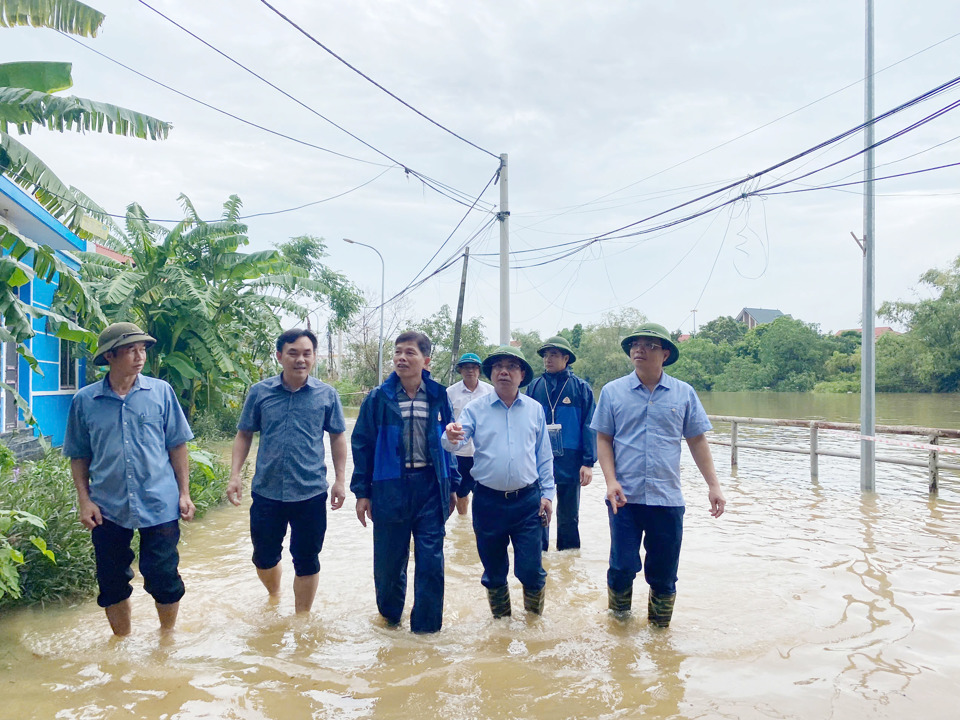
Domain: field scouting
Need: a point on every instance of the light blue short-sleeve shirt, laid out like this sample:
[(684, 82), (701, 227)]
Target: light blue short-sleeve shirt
[(127, 441), (647, 428)]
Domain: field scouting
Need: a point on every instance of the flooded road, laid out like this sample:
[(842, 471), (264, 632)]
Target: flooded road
[(805, 600)]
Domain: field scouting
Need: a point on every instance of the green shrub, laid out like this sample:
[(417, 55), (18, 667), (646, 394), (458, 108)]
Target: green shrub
[(7, 459), (351, 393), (45, 488), (216, 424)]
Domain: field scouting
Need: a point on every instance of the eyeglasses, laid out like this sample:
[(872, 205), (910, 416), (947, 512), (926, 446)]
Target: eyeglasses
[(508, 366), (645, 345)]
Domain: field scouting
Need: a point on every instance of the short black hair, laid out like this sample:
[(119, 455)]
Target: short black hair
[(422, 341), (294, 334)]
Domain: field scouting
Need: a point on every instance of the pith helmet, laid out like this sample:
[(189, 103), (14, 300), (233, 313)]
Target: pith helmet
[(467, 359), (508, 351), (116, 336), (560, 343), (652, 330)]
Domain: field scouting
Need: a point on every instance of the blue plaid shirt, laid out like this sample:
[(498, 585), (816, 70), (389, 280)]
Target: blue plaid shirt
[(647, 429), (290, 458), (127, 442)]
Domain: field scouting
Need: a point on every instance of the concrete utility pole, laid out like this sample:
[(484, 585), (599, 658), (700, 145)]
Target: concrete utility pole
[(504, 217), (458, 324), (868, 418)]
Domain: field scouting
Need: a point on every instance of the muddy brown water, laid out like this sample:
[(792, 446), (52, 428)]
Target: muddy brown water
[(805, 600)]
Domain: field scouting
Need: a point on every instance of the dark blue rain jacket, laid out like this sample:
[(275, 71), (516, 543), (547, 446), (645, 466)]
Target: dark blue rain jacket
[(378, 450)]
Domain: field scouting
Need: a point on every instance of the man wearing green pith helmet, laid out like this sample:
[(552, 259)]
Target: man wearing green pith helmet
[(470, 388), (567, 401), (639, 420)]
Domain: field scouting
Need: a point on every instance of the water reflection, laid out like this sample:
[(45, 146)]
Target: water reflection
[(806, 600)]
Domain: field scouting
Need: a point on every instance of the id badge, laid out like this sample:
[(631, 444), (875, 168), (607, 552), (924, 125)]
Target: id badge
[(555, 431)]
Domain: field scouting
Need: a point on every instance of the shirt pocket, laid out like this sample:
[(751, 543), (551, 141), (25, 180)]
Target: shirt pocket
[(667, 419), (150, 428)]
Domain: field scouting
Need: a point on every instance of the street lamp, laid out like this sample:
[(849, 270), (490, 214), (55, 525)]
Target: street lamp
[(383, 274)]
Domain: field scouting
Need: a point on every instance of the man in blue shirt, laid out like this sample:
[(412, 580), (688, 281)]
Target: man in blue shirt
[(640, 420), (126, 439), (568, 404), (406, 483), (291, 411), (461, 394), (513, 469)]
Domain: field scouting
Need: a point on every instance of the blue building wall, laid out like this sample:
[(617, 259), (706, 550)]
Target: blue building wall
[(46, 399)]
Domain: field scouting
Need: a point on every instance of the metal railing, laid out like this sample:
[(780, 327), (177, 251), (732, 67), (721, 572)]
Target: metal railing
[(932, 436)]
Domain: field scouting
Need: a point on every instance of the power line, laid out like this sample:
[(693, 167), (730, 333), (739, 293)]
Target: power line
[(98, 211), (413, 284), (764, 193), (613, 234), (429, 182), (374, 82), (754, 130), (217, 109)]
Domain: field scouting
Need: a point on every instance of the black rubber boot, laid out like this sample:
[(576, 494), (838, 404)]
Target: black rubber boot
[(499, 601), (533, 600), (620, 601), (660, 609)]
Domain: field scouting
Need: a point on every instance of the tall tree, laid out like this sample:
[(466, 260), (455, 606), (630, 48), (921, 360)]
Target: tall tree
[(935, 324), (439, 328)]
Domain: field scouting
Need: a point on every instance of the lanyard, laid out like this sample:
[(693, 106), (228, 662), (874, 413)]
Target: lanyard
[(553, 405)]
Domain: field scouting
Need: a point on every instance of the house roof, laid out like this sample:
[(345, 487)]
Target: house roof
[(762, 315), (32, 221)]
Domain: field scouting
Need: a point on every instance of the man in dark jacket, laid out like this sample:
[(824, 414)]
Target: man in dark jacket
[(568, 404), (406, 483)]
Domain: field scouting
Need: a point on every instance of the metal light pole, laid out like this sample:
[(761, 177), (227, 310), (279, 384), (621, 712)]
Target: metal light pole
[(868, 338), (383, 300)]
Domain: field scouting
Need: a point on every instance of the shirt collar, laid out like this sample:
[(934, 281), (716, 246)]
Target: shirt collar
[(277, 381), (663, 383), (104, 390), (521, 398)]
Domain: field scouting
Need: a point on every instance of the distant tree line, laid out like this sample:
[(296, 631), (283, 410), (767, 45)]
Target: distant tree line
[(786, 355)]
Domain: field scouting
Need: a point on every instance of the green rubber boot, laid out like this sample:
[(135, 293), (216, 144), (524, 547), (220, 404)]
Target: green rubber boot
[(499, 601), (620, 601), (660, 609), (533, 600)]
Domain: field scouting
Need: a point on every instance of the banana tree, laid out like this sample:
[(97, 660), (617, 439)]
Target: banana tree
[(214, 310), (27, 101)]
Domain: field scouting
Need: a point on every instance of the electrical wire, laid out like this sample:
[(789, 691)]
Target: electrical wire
[(411, 285), (756, 129), (374, 82), (429, 182), (76, 202), (217, 109)]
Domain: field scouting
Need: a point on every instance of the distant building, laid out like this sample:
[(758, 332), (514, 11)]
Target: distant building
[(684, 337), (752, 317), (877, 332)]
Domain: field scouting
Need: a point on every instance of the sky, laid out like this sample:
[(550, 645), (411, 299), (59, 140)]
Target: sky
[(610, 113)]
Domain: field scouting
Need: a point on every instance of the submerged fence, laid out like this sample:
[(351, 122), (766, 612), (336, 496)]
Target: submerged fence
[(932, 436)]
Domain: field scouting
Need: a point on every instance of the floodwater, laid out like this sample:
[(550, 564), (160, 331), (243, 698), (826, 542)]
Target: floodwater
[(806, 600)]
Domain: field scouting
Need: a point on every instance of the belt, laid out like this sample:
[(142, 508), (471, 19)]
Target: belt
[(506, 494)]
